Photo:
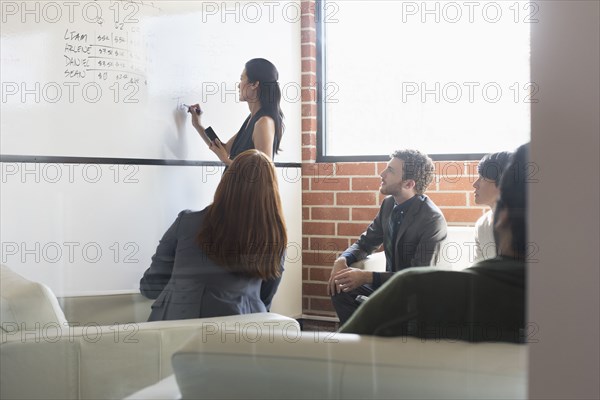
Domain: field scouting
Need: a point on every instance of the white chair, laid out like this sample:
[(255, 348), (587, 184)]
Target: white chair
[(100, 354)]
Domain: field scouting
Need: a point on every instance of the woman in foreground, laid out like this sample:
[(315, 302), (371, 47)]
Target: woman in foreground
[(212, 262)]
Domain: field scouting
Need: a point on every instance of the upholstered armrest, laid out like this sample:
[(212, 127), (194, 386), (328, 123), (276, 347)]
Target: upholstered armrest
[(457, 251), (114, 361), (375, 263), (106, 308), (346, 366)]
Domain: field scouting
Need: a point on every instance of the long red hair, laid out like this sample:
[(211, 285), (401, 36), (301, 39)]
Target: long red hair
[(244, 229)]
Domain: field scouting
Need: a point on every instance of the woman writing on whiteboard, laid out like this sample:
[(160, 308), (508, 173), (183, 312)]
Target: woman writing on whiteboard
[(263, 128), (213, 262)]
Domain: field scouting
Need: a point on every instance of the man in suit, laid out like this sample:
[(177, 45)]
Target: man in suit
[(409, 225), (485, 302)]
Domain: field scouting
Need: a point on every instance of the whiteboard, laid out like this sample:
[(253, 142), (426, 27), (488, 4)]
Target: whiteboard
[(107, 78), (85, 228), (96, 87)]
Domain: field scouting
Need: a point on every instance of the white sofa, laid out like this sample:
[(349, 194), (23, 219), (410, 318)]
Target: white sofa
[(318, 365), (102, 349), (458, 249)]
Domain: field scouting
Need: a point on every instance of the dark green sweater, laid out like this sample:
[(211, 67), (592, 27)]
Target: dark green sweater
[(485, 302)]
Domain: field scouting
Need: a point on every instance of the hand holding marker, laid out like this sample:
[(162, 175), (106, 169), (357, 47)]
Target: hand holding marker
[(194, 107), (209, 132)]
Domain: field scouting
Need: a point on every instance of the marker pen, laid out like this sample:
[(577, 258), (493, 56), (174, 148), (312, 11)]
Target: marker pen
[(198, 111)]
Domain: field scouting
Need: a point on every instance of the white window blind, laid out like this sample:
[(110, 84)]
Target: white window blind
[(440, 76)]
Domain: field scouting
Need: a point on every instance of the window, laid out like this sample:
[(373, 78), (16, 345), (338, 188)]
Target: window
[(449, 78)]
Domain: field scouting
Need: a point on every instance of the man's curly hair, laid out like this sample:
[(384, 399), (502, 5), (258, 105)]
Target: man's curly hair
[(416, 166)]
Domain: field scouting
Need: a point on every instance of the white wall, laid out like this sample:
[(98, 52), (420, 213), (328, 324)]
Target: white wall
[(564, 218), (81, 225)]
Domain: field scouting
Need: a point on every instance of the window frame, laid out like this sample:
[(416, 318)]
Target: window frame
[(321, 81)]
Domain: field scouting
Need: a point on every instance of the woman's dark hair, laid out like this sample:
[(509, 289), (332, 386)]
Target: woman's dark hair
[(269, 93), (244, 229), (513, 198), (492, 165)]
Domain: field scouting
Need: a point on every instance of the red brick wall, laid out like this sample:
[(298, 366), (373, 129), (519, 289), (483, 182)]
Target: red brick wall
[(339, 200)]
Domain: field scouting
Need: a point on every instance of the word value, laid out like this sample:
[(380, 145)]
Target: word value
[(52, 12), (52, 332), (454, 92), (54, 92), (471, 11), (256, 11), (67, 173), (71, 252)]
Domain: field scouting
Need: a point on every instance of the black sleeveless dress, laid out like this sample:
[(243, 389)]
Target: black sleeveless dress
[(243, 140)]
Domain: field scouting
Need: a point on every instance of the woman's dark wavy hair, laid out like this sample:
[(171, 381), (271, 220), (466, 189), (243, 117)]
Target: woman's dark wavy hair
[(492, 165), (513, 198), (269, 93)]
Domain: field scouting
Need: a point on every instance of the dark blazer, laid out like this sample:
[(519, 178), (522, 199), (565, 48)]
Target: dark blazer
[(418, 241), (485, 302), (188, 284)]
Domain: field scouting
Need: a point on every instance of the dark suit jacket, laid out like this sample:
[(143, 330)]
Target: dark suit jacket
[(186, 283), (418, 241), (485, 302)]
